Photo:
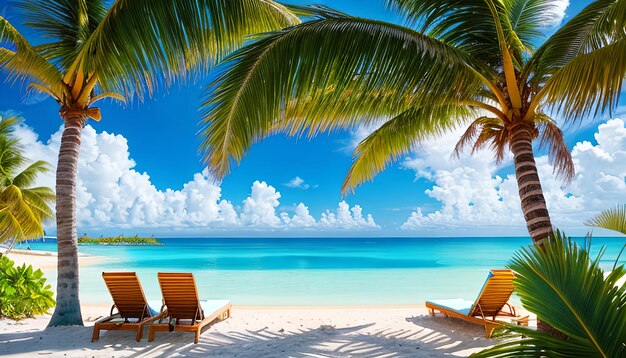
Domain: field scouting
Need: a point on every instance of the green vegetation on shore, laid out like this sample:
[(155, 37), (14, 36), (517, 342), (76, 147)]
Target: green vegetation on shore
[(119, 241)]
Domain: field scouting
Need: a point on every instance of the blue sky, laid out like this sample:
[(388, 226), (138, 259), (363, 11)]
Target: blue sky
[(162, 142)]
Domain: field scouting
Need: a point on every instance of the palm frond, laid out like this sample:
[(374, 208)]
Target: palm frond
[(7, 125), (559, 155), (305, 71), (467, 24), (23, 62), (495, 136), (11, 156), (67, 24), (112, 95), (591, 83), (39, 203), (141, 44), (397, 136), (568, 290), (43, 192), (529, 17), (472, 133), (597, 25), (610, 219), (18, 219), (27, 177)]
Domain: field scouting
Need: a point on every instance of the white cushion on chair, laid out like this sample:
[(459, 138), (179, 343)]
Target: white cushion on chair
[(211, 306), (457, 304)]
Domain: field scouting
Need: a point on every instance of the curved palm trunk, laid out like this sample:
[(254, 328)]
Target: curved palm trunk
[(67, 311), (529, 186), (531, 197)]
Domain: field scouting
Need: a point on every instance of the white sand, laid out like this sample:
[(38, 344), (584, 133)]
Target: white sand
[(46, 260), (261, 332)]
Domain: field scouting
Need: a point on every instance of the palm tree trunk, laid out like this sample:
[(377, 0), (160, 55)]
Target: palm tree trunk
[(67, 311), (529, 186), (531, 197)]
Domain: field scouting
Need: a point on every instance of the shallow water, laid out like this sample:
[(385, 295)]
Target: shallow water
[(314, 271)]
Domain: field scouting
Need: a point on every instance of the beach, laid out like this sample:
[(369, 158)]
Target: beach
[(261, 332), (46, 260), (252, 331)]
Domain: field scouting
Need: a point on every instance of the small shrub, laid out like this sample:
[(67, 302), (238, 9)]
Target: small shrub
[(23, 291)]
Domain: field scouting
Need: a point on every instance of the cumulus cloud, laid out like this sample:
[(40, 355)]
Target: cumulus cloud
[(111, 194), (473, 196), (555, 16), (297, 182), (347, 218)]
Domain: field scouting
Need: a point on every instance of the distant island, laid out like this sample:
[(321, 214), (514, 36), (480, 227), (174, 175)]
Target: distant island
[(119, 241)]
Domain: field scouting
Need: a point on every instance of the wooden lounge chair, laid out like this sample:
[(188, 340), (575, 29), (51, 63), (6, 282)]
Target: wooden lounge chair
[(133, 310), (185, 311), (491, 301)]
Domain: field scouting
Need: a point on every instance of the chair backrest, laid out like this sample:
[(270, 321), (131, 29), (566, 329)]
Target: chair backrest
[(180, 295), (127, 294), (495, 293)]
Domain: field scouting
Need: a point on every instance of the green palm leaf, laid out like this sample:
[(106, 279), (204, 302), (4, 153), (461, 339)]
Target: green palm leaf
[(18, 219), (471, 25), (396, 137), (597, 25), (611, 219), (589, 83), (274, 79), (527, 17), (25, 62), (27, 177), (22, 208), (141, 44), (568, 290), (66, 24), (39, 202)]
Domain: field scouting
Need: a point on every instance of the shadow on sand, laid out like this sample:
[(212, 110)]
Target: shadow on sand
[(427, 336)]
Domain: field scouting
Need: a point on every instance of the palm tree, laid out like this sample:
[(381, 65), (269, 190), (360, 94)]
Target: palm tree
[(23, 207), (455, 62), (131, 48)]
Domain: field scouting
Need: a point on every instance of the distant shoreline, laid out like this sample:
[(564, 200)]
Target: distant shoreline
[(47, 260)]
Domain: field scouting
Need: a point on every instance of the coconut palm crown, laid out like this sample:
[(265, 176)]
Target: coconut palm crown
[(456, 62), (23, 207), (88, 50)]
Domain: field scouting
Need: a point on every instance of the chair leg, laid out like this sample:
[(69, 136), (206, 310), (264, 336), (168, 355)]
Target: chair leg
[(139, 333), (151, 332), (197, 336), (489, 328), (96, 333)]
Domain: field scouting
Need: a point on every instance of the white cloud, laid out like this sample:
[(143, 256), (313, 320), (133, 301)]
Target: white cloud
[(111, 194), (301, 217), (473, 197), (297, 182), (259, 209), (346, 218), (555, 16)]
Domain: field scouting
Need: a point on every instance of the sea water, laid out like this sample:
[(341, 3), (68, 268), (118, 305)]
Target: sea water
[(313, 271)]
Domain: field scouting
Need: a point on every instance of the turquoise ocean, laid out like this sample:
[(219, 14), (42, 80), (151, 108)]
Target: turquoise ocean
[(313, 271)]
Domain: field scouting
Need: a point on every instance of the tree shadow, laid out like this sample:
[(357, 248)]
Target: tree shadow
[(426, 336)]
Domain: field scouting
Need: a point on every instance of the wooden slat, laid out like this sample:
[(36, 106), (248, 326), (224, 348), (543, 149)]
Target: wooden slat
[(127, 294), (180, 295), (495, 293)]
